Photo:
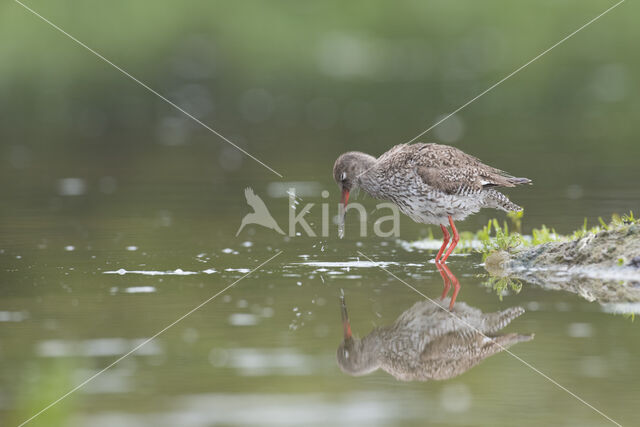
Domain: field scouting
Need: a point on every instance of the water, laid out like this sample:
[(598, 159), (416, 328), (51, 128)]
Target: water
[(76, 297), (87, 278), (119, 215)]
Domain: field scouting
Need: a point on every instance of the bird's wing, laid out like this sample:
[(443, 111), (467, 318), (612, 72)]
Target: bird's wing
[(395, 153), (449, 180), (467, 179), (453, 171), (254, 201)]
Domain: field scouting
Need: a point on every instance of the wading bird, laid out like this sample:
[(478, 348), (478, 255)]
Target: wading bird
[(427, 342), (430, 183)]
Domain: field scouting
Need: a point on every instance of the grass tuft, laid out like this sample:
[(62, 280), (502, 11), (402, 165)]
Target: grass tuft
[(503, 285), (495, 236)]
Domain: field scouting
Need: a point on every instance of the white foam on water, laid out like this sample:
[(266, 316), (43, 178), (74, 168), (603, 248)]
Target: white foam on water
[(202, 257), (239, 270), (140, 290), (347, 264), (434, 244), (176, 272)]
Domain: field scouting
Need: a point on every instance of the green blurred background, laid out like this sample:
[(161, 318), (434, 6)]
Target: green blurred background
[(297, 83)]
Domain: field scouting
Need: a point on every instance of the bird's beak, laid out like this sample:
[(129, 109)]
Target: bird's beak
[(345, 197), (346, 326)]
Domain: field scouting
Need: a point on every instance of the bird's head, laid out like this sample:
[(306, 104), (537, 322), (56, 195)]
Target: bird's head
[(349, 169), (353, 358), (345, 172), (350, 358)]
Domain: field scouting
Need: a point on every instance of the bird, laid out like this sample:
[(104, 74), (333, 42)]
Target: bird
[(260, 214), (428, 343), (431, 183)]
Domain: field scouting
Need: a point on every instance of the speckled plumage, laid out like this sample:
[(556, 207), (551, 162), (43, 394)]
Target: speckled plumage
[(428, 182), (428, 343)]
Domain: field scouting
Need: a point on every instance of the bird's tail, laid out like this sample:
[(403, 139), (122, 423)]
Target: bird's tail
[(494, 322), (519, 181), (495, 199)]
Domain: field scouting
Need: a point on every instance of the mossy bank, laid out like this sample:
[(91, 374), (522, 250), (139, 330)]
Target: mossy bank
[(602, 265)]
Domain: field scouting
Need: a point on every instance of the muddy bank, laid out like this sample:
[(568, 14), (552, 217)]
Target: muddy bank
[(602, 267)]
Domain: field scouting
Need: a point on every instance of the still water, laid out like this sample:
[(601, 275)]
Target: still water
[(81, 288)]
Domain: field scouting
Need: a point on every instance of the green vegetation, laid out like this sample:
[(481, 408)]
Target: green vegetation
[(496, 237), (607, 249), (507, 237), (503, 285)]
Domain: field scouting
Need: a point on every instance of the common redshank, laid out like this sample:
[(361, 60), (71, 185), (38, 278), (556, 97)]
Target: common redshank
[(426, 343), (430, 183)]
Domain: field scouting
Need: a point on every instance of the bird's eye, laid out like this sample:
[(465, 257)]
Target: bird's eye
[(343, 176)]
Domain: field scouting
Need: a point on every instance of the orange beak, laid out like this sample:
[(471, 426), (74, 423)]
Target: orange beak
[(345, 197), (346, 326)]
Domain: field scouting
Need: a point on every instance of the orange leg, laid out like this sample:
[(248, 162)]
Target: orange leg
[(445, 241), (456, 285), (454, 241), (445, 280)]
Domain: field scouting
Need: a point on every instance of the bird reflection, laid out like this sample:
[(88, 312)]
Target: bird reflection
[(427, 343), (448, 278)]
